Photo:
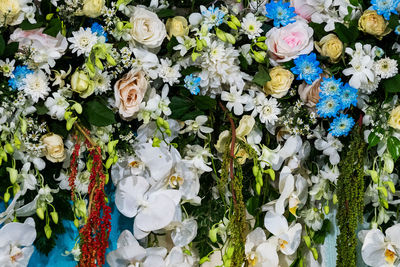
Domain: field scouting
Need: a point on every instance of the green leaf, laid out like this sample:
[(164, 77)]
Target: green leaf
[(347, 35), (163, 13), (252, 205), (54, 27), (41, 109), (179, 107), (98, 114), (26, 25), (171, 44), (354, 2), (392, 85), (192, 115), (319, 236), (393, 21), (203, 102), (373, 138), (11, 49), (190, 70), (262, 76), (2, 45), (393, 145)]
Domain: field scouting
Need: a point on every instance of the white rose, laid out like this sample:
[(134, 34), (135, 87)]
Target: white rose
[(287, 43), (92, 8), (147, 28), (54, 147)]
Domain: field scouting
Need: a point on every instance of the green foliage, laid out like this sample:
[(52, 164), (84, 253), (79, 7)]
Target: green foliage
[(392, 85), (319, 236), (373, 138), (393, 145), (97, 113), (2, 45), (350, 192), (189, 108), (262, 76), (346, 34), (54, 27)]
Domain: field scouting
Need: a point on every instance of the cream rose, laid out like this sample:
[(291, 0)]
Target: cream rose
[(54, 147), (92, 8), (147, 28), (309, 93), (330, 46), (372, 23), (9, 11), (82, 84), (394, 119), (281, 80), (287, 43), (177, 26), (129, 92)]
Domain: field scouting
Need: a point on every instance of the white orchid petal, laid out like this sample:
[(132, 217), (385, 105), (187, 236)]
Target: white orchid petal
[(130, 192), (275, 223)]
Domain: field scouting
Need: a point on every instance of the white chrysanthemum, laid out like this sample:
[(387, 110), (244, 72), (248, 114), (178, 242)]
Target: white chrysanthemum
[(269, 111), (36, 85), (251, 26), (7, 67), (102, 82), (386, 67), (56, 106), (83, 41), (370, 86), (170, 74)]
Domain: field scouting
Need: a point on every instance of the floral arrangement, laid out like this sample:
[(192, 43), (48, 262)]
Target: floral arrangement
[(226, 133)]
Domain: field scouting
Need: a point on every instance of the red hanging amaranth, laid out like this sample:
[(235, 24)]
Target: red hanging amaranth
[(74, 168)]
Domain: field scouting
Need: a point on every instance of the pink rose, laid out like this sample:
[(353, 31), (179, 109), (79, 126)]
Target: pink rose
[(289, 42), (309, 93), (47, 48), (303, 9), (129, 92)]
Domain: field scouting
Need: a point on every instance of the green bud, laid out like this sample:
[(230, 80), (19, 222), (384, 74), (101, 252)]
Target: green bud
[(307, 241), (24, 126), (259, 56), (229, 252), (77, 107), (40, 213), (17, 142), (13, 173), (232, 25), (70, 123), (334, 199), (383, 190), (67, 115), (54, 216), (160, 122), (204, 259), (110, 60), (271, 173), (195, 56), (391, 186), (235, 21), (326, 209), (109, 162), (16, 189), (262, 45), (314, 253), (220, 34), (384, 203), (47, 231), (374, 176), (168, 132), (156, 142), (212, 234), (255, 170), (115, 158), (120, 25), (8, 148), (204, 42), (6, 197), (98, 63), (49, 16), (258, 188), (76, 223), (199, 45), (3, 155), (165, 124), (230, 38)]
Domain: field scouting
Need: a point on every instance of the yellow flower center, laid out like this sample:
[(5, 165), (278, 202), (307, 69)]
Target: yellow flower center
[(282, 243), (252, 259), (390, 256)]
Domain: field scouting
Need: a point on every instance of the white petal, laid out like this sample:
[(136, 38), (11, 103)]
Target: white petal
[(275, 223), (294, 234), (373, 249), (129, 194), (393, 234)]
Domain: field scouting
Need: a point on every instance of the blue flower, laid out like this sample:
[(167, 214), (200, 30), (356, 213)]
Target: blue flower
[(280, 12), (397, 30), (348, 96), (385, 7), (213, 16), (192, 83), (328, 106), (379, 51), (19, 74), (307, 68), (331, 86), (99, 30), (341, 125)]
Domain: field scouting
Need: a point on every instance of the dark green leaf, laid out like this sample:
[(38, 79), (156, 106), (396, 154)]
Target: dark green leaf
[(163, 13), (192, 115), (11, 49), (205, 102), (26, 25), (392, 85), (98, 114), (171, 44), (319, 236), (354, 2), (41, 109), (58, 128), (252, 205), (190, 70), (318, 28), (179, 107), (243, 62), (347, 35), (54, 27), (262, 76), (394, 21), (2, 45), (393, 145), (373, 138)]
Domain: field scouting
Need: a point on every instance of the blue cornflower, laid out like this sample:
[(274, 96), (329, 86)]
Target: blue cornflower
[(348, 96), (397, 30), (385, 7), (379, 51), (331, 86), (280, 12), (341, 125), (192, 83), (306, 67), (212, 16), (328, 106), (19, 74), (98, 30)]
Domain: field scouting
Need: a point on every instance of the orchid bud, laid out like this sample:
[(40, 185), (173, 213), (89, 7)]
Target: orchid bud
[(156, 142), (271, 173), (314, 253), (8, 148), (67, 115), (259, 56), (13, 173), (24, 126), (160, 122), (6, 197), (109, 162), (258, 188), (168, 132), (16, 189), (232, 25), (120, 25), (307, 241), (54, 216), (199, 45), (235, 20), (212, 234), (77, 107), (47, 231), (220, 34), (262, 45), (326, 209), (40, 213), (195, 56), (70, 123), (230, 38), (334, 199)]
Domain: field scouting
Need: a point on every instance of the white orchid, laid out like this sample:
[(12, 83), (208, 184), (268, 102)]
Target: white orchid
[(197, 156), (381, 250), (330, 146), (130, 253), (146, 61), (177, 258), (197, 126), (287, 237), (16, 243), (260, 252)]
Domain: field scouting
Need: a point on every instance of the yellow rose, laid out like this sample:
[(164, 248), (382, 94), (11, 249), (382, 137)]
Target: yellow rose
[(92, 8), (281, 80), (54, 147), (9, 10), (330, 46), (374, 24), (394, 119), (82, 84), (177, 26)]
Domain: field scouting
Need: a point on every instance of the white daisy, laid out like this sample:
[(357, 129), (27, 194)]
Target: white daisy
[(7, 67), (102, 82), (83, 41), (386, 67), (56, 106), (36, 85), (269, 111), (251, 26), (170, 74)]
